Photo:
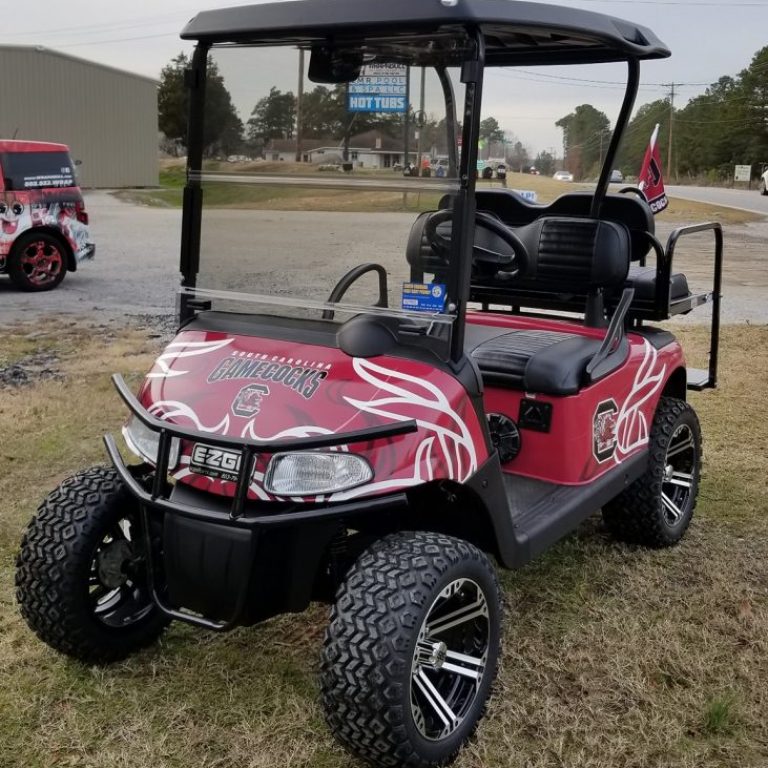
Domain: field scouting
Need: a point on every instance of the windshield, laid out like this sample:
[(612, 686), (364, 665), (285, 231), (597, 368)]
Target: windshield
[(304, 182), (549, 129)]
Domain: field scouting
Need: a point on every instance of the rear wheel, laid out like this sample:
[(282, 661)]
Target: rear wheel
[(80, 573), (411, 650), (763, 188), (656, 509), (37, 262)]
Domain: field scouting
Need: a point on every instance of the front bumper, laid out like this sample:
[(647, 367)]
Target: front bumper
[(87, 253), (207, 556)]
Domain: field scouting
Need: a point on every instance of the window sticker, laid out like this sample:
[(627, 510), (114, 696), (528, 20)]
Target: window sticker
[(424, 297)]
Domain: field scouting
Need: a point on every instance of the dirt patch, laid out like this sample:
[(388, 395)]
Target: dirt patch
[(29, 370)]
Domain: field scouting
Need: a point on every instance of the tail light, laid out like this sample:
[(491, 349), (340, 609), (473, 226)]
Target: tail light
[(81, 213)]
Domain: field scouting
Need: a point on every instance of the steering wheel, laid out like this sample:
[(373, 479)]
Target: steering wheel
[(488, 253), (633, 191)]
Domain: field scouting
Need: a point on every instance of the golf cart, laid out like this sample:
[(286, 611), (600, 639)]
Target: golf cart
[(379, 384)]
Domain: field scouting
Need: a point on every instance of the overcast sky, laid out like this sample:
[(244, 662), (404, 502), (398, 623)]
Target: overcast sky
[(708, 39)]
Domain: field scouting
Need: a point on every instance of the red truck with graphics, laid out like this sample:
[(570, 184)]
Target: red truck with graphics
[(44, 225)]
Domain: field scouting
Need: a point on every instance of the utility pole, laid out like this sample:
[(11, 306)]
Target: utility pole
[(671, 119), (406, 130), (420, 121), (300, 98)]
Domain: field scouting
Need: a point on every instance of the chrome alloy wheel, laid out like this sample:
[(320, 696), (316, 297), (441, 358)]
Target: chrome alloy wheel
[(117, 589), (679, 472), (42, 262), (449, 659)]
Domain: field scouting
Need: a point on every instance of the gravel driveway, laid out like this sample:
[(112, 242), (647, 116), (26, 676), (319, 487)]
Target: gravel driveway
[(136, 267)]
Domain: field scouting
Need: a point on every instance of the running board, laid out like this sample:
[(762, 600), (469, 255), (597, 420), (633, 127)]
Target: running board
[(542, 513), (699, 379)]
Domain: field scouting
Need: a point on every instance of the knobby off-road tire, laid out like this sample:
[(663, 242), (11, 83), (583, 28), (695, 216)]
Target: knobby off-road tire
[(411, 650), (656, 509), (79, 576)]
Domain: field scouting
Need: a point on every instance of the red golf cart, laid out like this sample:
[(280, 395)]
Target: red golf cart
[(380, 384)]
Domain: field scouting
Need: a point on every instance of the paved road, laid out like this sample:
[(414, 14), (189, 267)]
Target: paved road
[(747, 200)]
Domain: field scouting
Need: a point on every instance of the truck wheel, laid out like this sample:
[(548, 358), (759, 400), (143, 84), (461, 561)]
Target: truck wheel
[(37, 262), (411, 650), (763, 187), (80, 572), (656, 509)]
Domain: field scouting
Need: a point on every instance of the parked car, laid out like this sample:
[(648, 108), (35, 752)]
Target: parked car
[(43, 222), (563, 176), (616, 176), (764, 183)]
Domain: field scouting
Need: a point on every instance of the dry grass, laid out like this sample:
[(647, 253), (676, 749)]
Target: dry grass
[(613, 656)]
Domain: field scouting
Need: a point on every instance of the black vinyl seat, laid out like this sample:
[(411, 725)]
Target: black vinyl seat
[(547, 362), (563, 255), (643, 280), (514, 210)]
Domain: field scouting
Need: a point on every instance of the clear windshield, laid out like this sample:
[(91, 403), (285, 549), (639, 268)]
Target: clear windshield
[(549, 128), (302, 183)]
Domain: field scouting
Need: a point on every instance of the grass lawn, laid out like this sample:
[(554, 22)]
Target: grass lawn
[(613, 656), (241, 196)]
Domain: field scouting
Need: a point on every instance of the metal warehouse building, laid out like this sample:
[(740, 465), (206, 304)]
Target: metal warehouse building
[(108, 117)]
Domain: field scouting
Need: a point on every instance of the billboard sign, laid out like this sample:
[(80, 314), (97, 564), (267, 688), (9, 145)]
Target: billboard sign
[(742, 172), (380, 88)]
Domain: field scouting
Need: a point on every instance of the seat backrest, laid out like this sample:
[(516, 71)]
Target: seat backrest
[(573, 255), (629, 210), (572, 262)]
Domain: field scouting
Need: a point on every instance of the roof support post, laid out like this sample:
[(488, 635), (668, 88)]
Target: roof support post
[(195, 79), (463, 226), (633, 83)]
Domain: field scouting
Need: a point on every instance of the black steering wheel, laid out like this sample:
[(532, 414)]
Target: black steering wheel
[(633, 191), (489, 253)]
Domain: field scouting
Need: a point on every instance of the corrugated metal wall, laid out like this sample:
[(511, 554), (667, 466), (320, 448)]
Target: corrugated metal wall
[(106, 116)]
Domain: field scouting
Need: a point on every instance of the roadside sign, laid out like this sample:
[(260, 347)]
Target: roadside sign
[(380, 88), (742, 173)]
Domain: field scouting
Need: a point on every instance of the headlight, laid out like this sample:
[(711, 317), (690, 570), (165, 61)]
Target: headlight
[(144, 442), (314, 474)]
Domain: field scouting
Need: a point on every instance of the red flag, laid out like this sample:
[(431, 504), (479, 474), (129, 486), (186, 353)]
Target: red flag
[(651, 182)]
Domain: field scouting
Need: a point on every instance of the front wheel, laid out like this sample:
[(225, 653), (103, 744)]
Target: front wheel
[(656, 509), (411, 650), (80, 574)]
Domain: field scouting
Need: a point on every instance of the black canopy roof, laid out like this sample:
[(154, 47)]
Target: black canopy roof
[(516, 32)]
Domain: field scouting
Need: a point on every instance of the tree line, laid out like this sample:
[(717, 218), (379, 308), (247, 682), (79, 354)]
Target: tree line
[(725, 126)]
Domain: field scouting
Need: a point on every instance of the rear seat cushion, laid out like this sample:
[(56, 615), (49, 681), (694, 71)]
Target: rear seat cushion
[(643, 280)]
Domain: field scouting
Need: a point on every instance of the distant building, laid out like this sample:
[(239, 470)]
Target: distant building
[(372, 149), (108, 117)]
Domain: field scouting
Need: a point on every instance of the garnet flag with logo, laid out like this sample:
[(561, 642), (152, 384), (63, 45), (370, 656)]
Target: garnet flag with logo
[(651, 183)]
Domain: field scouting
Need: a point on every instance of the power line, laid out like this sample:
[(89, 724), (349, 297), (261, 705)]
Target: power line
[(118, 40), (102, 27)]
